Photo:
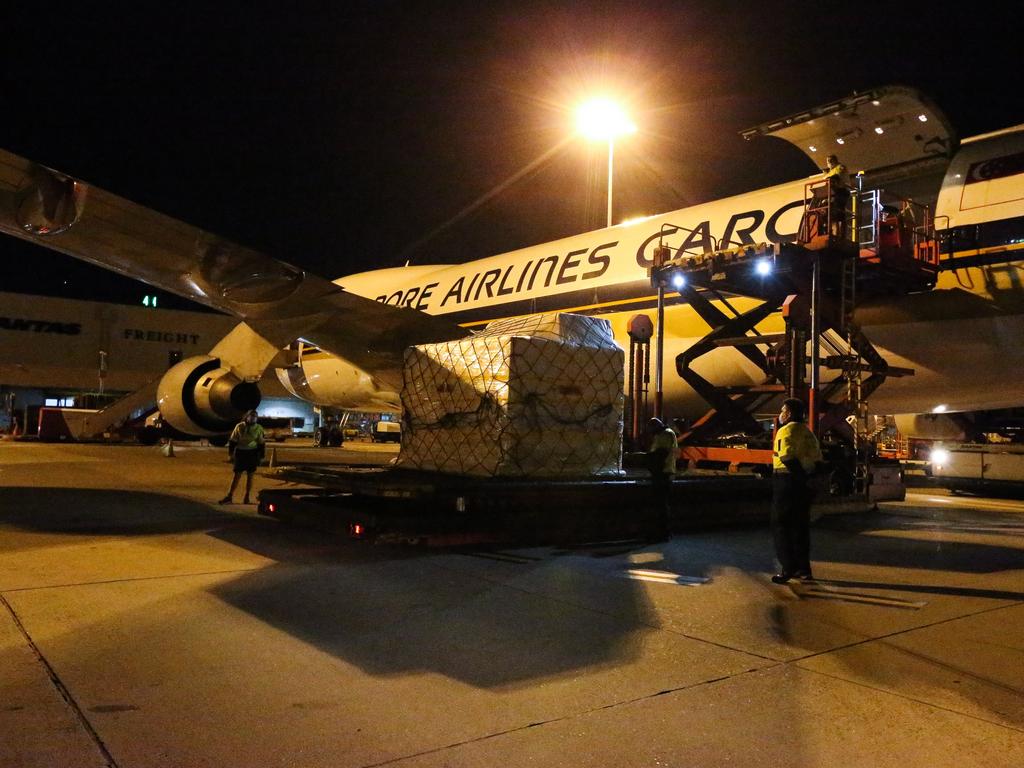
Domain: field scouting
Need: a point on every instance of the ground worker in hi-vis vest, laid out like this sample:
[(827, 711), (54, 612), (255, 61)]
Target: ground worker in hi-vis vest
[(661, 463), (245, 447), (795, 456)]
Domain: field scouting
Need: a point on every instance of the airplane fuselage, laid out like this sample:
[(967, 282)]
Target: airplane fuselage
[(962, 338)]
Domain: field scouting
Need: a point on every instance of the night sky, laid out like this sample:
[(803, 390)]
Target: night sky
[(346, 136)]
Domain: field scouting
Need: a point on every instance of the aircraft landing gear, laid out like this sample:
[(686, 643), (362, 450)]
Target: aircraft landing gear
[(328, 437)]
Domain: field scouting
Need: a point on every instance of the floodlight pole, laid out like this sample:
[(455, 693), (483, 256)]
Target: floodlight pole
[(659, 392), (611, 155), (812, 399)]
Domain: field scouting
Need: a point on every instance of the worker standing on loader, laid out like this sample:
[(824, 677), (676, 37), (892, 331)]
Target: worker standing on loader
[(839, 196)]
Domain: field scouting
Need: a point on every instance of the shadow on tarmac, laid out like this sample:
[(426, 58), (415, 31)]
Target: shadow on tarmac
[(90, 512), (412, 616), (924, 542), (394, 611), (104, 512), (388, 610), (928, 589)]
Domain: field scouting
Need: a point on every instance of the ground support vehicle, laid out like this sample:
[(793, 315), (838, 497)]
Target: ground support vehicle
[(990, 468), (387, 432)]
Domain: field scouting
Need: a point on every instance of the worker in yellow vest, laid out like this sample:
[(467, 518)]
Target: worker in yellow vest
[(795, 456), (245, 447), (839, 195), (661, 463)]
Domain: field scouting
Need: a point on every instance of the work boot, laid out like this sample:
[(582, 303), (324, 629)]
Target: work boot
[(782, 577), (246, 500), (803, 575), (225, 500)]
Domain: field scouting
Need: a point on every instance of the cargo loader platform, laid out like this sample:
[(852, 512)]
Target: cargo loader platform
[(387, 505)]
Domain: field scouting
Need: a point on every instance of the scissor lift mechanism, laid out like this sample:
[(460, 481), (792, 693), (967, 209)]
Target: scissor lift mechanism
[(851, 262)]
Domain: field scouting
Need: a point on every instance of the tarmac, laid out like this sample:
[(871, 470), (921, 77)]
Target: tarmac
[(141, 624)]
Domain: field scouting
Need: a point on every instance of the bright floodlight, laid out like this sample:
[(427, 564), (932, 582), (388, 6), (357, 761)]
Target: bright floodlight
[(939, 456), (764, 267), (604, 120), (678, 280)]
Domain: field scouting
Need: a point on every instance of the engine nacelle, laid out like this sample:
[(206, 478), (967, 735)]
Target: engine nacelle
[(199, 396), (327, 380)]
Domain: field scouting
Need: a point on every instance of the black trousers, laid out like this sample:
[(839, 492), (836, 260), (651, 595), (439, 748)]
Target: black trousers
[(791, 521), (661, 497)]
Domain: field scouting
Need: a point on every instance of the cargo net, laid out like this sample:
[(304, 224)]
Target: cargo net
[(539, 396)]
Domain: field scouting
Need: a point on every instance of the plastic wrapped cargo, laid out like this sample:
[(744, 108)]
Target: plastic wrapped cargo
[(539, 396)]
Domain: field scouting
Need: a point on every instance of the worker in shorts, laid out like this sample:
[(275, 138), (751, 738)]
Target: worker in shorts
[(246, 447)]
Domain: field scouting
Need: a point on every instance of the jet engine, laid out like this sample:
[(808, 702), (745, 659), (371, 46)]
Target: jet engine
[(199, 396)]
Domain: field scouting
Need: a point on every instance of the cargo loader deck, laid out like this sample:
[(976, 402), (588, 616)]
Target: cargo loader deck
[(402, 506), (387, 505)]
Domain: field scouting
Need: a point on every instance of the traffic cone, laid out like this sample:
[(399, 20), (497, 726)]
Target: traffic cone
[(169, 449)]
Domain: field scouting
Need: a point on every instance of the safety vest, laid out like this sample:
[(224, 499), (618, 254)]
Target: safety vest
[(839, 172), (247, 437), (794, 440)]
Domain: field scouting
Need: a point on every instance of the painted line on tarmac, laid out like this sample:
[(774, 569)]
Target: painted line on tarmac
[(128, 579), (824, 593), (506, 557), (663, 577), (61, 688), (966, 502), (635, 574)]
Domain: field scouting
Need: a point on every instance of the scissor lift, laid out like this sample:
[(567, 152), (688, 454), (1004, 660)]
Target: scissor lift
[(849, 252)]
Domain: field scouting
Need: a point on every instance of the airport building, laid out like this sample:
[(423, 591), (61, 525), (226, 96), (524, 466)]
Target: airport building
[(84, 354)]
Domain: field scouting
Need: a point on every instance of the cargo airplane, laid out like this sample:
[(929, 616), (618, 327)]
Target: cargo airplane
[(340, 343)]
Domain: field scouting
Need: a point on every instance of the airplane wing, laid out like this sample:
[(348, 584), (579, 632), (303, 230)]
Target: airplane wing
[(279, 301)]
